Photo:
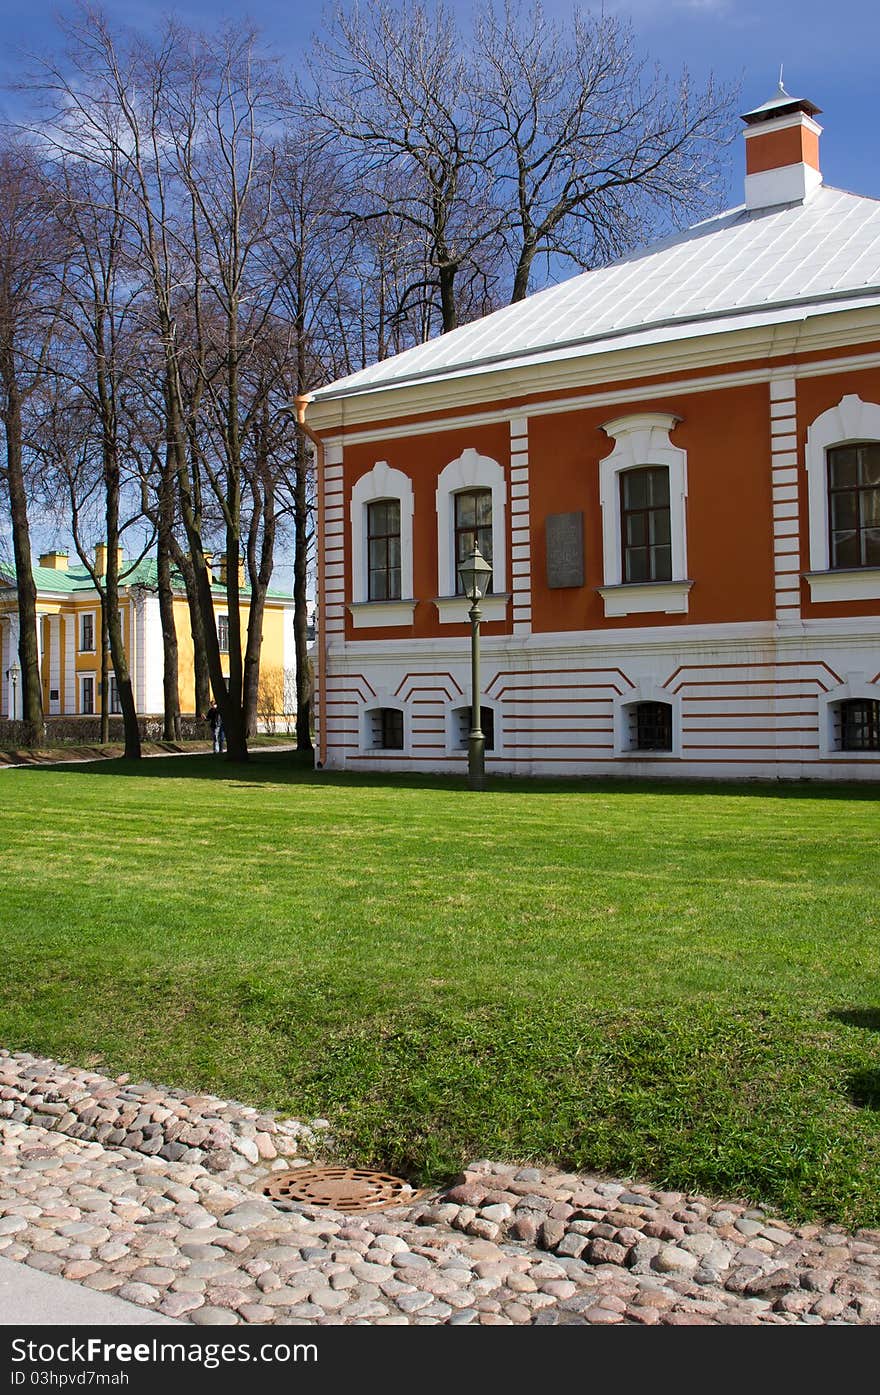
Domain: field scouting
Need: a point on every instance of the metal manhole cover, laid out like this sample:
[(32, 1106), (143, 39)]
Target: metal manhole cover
[(340, 1188)]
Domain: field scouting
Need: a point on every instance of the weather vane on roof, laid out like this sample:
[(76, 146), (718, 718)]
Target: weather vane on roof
[(781, 84)]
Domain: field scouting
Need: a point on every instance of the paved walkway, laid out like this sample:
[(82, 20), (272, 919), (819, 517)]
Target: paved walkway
[(31, 1299), (154, 1197)]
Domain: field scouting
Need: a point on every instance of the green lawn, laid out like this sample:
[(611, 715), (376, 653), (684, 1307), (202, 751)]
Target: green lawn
[(678, 983)]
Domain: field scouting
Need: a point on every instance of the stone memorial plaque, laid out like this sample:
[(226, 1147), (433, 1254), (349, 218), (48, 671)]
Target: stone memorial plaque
[(565, 549)]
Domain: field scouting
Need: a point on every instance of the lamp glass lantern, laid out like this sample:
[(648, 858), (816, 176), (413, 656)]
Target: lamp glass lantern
[(475, 574), (13, 673)]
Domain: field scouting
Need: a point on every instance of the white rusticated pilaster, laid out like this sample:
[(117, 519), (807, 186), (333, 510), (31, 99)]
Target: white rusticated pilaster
[(54, 663), (70, 638), (333, 599), (786, 506), (520, 527)]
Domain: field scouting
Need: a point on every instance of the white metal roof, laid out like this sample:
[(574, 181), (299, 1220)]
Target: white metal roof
[(738, 268)]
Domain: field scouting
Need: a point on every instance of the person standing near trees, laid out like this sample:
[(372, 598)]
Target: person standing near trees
[(215, 721)]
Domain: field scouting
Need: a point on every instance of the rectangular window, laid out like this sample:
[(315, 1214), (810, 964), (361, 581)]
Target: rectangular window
[(387, 731), (87, 634), (652, 723), (115, 705), (473, 528), (223, 633), (860, 725), (645, 527), (383, 550), (88, 695), (854, 505)]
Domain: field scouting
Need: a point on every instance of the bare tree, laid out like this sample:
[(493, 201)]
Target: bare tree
[(29, 258), (391, 85), (184, 120), (592, 146)]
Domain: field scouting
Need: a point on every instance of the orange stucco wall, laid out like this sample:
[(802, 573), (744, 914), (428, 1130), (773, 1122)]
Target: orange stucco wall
[(730, 549), (422, 458), (729, 513)]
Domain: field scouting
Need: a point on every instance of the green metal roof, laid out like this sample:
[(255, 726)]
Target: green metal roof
[(76, 578)]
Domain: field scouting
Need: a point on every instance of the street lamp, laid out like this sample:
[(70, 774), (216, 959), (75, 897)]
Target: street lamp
[(475, 575), (12, 674)]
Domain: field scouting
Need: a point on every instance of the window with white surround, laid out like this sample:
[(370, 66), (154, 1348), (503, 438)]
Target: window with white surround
[(115, 704), (87, 632), (471, 507), (647, 722), (382, 548), (460, 719), (643, 494), (849, 726), (87, 694), (384, 726), (843, 485), (223, 633)]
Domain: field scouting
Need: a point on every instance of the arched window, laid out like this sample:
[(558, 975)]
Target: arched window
[(843, 484), (650, 726), (381, 548), (471, 506), (642, 494)]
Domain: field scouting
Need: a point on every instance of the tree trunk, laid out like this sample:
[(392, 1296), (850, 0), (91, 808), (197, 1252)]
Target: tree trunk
[(28, 649), (104, 681), (114, 627), (170, 669), (300, 592), (170, 666)]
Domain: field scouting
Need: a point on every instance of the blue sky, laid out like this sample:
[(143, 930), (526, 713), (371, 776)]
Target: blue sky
[(829, 51)]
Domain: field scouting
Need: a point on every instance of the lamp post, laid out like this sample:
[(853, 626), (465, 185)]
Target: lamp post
[(475, 574), (12, 674)]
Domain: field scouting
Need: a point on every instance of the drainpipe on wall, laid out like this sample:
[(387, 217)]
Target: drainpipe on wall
[(300, 404)]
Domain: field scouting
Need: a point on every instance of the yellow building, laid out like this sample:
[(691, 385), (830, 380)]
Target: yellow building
[(69, 637)]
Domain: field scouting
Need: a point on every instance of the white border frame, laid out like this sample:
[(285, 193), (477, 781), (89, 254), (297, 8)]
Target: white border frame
[(643, 440), (365, 746), (470, 471), (855, 686), (459, 704), (382, 482), (81, 615), (851, 421), (646, 691), (96, 696)]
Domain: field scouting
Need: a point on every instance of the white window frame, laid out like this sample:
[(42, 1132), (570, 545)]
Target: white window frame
[(382, 482), (222, 648), (83, 615), (470, 471), (453, 744), (851, 421), (646, 691), (365, 727), (114, 706), (96, 706), (856, 685), (641, 441)]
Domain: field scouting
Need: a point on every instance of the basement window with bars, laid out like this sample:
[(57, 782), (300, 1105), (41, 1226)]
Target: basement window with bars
[(487, 726), (386, 729), (857, 725), (650, 726)]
